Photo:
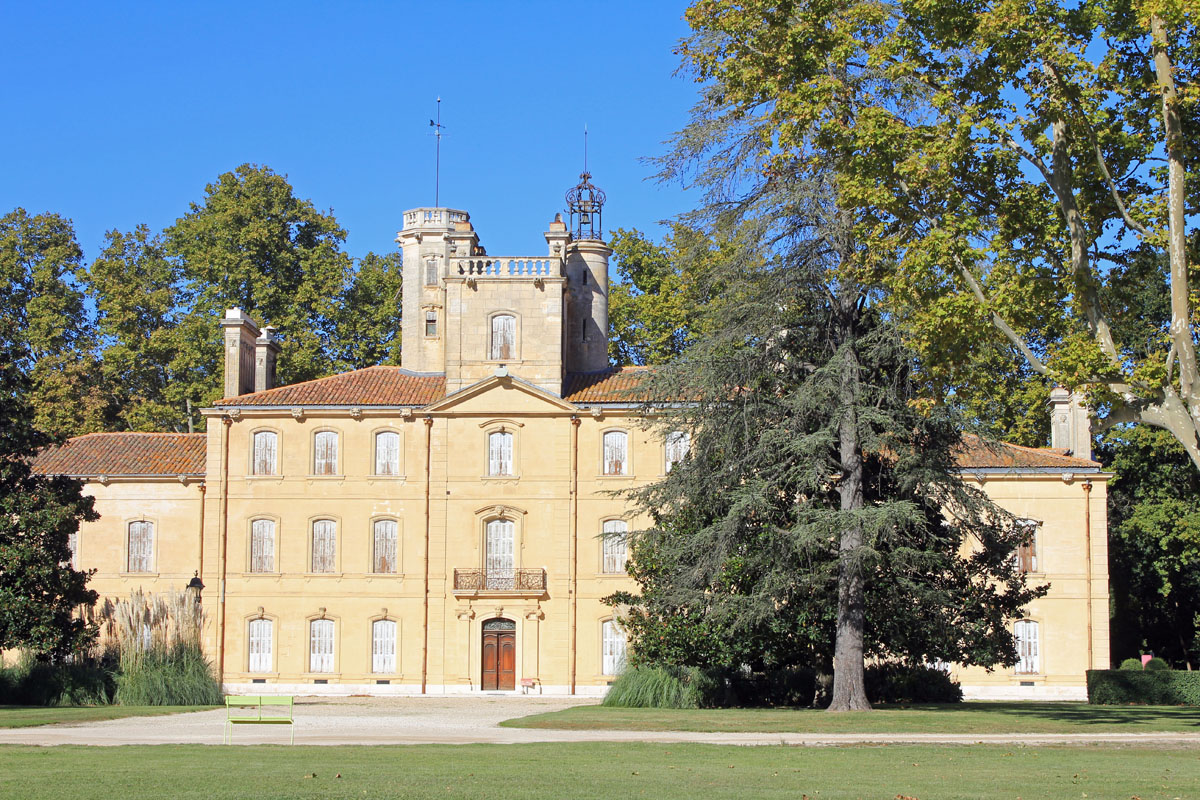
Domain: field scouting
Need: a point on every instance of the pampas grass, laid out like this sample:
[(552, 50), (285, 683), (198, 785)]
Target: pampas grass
[(651, 687)]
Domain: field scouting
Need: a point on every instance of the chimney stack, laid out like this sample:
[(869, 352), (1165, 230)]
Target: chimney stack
[(266, 352), (1070, 424), (241, 332)]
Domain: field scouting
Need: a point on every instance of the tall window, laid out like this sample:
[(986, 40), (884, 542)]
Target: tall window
[(504, 337), (324, 544), (261, 631), (431, 272), (385, 560), (265, 450), (1028, 661), (383, 646), (498, 554), (387, 453), (73, 546), (431, 323), (1026, 555), (320, 646), (262, 545), (676, 446), (616, 453), (613, 648), (325, 453), (613, 546), (141, 547), (500, 453)]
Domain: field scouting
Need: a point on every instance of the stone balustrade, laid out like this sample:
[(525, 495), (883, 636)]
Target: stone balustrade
[(505, 267), (434, 217)]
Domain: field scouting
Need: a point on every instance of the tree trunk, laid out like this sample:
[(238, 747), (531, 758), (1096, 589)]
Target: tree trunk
[(849, 689)]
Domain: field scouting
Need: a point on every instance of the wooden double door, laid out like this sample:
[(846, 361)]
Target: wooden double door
[(499, 655)]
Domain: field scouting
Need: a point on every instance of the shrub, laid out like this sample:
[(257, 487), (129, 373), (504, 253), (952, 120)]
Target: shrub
[(1156, 664), (892, 682), (650, 687), (31, 682), (1151, 687), (1131, 663), (177, 675)]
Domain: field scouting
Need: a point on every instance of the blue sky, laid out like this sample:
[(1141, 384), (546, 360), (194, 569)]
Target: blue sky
[(120, 113)]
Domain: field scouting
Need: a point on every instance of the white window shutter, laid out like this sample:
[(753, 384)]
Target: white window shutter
[(615, 453), (614, 546), (260, 645), (262, 546), (677, 445), (324, 545), (613, 648), (387, 453), (1028, 657), (325, 461), (504, 335), (264, 452), (141, 547), (320, 650), (385, 546), (500, 453), (498, 559), (383, 646)]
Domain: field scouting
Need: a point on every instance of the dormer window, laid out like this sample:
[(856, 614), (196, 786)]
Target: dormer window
[(504, 338)]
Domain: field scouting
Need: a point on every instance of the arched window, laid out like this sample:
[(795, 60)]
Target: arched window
[(1028, 658), (325, 453), (616, 453), (504, 338), (676, 446), (612, 641), (320, 646), (261, 636), (324, 545), (262, 545), (385, 560), (498, 561), (387, 453), (383, 646), (1026, 556), (265, 451), (141, 547), (500, 453), (613, 546)]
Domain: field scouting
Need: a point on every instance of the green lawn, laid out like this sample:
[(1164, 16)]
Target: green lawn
[(29, 716), (595, 770), (952, 718)]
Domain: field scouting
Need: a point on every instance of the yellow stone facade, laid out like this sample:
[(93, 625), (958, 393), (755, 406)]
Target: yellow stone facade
[(310, 613)]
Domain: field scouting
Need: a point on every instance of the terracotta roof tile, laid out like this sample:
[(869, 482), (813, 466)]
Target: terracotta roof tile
[(981, 454), (616, 385), (125, 454), (373, 386)]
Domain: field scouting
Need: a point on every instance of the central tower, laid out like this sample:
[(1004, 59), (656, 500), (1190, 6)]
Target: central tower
[(466, 313)]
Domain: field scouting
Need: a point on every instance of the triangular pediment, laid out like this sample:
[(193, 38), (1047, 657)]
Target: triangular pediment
[(502, 396)]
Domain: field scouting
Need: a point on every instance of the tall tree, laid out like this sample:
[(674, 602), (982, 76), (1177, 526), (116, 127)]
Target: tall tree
[(367, 325), (41, 273), (39, 591)]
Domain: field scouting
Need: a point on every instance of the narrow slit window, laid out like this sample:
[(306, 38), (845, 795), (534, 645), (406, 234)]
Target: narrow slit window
[(324, 545), (320, 648), (383, 647), (262, 545), (500, 453), (385, 560), (504, 337), (141, 547), (387, 453), (616, 453), (265, 450), (325, 453), (431, 272)]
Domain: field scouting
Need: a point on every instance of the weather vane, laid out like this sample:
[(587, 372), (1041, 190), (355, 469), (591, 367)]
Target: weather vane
[(437, 163)]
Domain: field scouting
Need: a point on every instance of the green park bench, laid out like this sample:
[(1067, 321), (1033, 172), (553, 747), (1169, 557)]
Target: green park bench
[(237, 708)]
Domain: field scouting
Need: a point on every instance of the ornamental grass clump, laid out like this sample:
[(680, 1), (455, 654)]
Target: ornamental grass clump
[(160, 656), (651, 687)]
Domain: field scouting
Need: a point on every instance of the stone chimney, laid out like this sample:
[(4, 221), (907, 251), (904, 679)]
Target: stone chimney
[(1070, 424), (266, 351), (241, 332)]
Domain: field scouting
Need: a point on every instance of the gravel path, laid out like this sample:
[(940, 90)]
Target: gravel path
[(463, 720)]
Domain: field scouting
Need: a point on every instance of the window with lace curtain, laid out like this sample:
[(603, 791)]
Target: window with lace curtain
[(265, 451), (500, 453), (613, 546), (262, 545), (616, 453), (387, 453), (325, 453)]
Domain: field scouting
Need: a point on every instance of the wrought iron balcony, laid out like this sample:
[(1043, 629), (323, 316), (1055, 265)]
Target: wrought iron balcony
[(507, 581)]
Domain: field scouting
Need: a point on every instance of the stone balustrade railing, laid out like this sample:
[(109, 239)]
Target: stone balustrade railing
[(433, 217), (504, 267)]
